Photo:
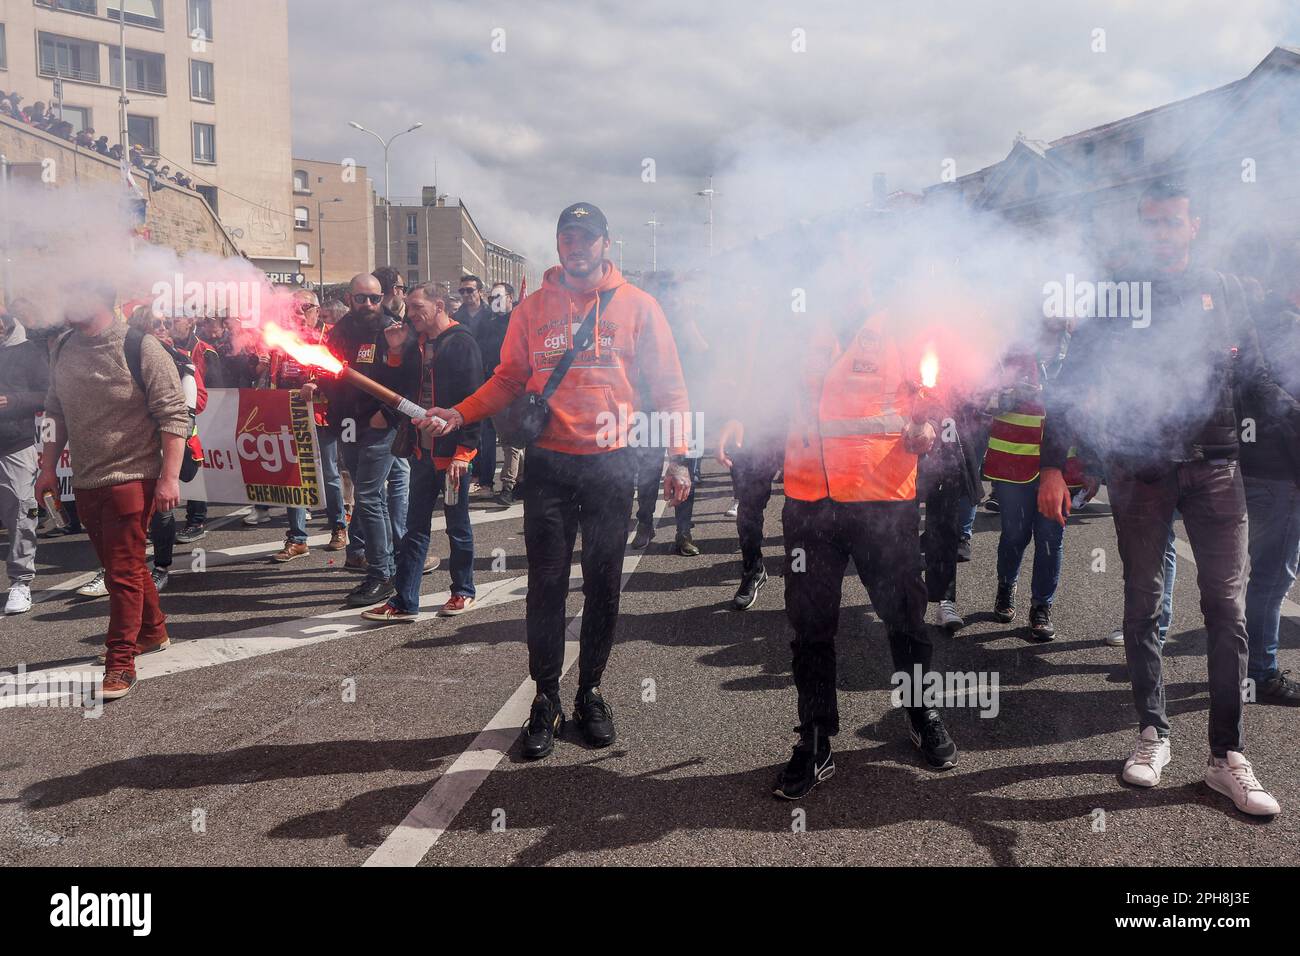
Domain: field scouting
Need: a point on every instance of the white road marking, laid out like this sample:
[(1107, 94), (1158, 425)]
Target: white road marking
[(412, 839)]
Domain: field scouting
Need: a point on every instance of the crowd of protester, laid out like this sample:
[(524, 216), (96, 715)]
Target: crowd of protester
[(42, 117), (855, 472)]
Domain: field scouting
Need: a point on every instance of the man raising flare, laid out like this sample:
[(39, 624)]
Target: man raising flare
[(578, 475), (850, 486), (1152, 395)]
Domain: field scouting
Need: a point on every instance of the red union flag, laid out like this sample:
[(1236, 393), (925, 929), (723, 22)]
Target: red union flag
[(259, 448)]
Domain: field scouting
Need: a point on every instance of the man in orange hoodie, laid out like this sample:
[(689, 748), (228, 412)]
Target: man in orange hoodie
[(580, 470)]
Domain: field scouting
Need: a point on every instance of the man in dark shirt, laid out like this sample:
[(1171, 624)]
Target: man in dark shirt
[(368, 342), (1149, 397)]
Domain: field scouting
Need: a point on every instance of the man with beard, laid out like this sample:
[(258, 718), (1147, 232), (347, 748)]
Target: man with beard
[(1151, 394), (615, 343)]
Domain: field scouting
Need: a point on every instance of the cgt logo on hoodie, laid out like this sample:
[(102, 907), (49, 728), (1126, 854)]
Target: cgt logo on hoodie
[(75, 909)]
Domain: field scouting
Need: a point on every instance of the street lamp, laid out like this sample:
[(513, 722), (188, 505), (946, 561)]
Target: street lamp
[(708, 194), (388, 231), (654, 249), (320, 236)]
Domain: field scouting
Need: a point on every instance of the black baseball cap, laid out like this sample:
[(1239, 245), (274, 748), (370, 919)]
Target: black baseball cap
[(586, 216)]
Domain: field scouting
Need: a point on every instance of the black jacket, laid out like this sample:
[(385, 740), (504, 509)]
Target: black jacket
[(24, 380), (1275, 451), (1140, 397), (472, 320), (453, 362), (490, 335), (364, 347)]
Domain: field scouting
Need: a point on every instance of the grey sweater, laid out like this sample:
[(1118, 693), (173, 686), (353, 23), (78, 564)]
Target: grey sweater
[(114, 429)]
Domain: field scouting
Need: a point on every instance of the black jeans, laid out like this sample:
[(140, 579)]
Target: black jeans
[(1213, 505), (648, 467), (565, 493), (753, 469), (196, 512), (684, 513), (882, 538), (162, 533), (943, 493)]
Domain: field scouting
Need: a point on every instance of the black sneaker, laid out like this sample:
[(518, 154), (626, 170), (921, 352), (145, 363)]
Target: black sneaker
[(686, 547), (1004, 606), (370, 592), (963, 550), (809, 765), (505, 498), (1279, 689), (545, 723), (931, 738), (191, 532), (991, 505), (751, 582), (594, 717), (645, 533), (1040, 623)]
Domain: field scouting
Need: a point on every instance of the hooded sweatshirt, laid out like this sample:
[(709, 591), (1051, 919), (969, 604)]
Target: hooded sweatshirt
[(633, 355)]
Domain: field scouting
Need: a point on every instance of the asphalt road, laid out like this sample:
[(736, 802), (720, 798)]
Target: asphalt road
[(281, 729)]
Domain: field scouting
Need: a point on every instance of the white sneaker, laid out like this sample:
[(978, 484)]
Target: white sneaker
[(20, 599), (948, 616), (734, 509), (256, 517), (1115, 638), (94, 588), (1149, 757), (1234, 777)]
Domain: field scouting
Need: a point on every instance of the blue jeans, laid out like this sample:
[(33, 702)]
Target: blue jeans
[(1166, 617), (685, 512), (485, 463), (966, 514), (426, 486), (297, 525), (1274, 510), (369, 460), (330, 477), (399, 496), (1022, 521)]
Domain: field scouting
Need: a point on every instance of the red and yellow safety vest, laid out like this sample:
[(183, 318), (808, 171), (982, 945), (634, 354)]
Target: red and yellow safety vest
[(845, 440), (1016, 437)]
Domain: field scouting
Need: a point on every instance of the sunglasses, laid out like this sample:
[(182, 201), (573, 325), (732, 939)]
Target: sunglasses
[(470, 291), (304, 309), (159, 324), (371, 297)]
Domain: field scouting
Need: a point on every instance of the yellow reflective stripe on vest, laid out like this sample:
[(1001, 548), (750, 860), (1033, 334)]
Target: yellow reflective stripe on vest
[(848, 427), (1019, 418), (1012, 448)]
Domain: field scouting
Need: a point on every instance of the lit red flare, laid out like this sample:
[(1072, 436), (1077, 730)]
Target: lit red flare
[(929, 367), (305, 353)]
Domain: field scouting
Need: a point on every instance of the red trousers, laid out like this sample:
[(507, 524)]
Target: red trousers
[(117, 520)]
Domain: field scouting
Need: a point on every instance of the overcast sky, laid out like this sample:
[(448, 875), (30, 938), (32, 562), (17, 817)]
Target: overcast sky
[(585, 92)]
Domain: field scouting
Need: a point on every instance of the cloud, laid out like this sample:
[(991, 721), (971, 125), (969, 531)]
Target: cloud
[(583, 93)]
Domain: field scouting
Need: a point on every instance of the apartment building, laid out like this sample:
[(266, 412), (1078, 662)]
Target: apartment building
[(334, 236), (208, 89)]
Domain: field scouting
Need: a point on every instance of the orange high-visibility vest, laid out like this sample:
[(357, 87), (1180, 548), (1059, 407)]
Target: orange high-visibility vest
[(1016, 437), (845, 440)]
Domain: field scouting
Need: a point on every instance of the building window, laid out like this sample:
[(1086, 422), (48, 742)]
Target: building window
[(69, 58), (76, 6), (142, 13), (1135, 149), (412, 278), (205, 143), (78, 116), (412, 224), (301, 181), (201, 19), (145, 72), (301, 218), (143, 132), (210, 194), (201, 84), (303, 251), (4, 47), (412, 253)]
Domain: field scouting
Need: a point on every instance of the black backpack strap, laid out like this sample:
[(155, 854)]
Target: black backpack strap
[(133, 346), (582, 341), (58, 345)]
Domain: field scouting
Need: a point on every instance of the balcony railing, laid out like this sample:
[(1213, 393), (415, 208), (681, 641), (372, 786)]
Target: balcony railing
[(68, 73)]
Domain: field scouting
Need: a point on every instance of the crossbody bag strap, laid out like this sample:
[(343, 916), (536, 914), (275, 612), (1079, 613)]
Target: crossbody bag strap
[(581, 342)]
